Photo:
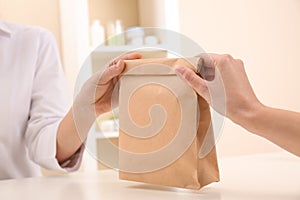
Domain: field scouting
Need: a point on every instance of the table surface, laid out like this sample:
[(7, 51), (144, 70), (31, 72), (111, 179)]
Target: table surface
[(265, 177)]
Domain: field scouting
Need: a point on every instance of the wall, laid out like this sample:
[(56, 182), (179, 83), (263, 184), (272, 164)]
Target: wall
[(111, 10), (151, 13), (265, 34), (44, 13), (159, 13)]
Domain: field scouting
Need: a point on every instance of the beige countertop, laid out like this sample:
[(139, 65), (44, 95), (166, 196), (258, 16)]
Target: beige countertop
[(265, 177)]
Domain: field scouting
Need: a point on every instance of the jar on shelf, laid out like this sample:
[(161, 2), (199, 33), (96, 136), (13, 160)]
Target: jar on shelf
[(135, 35)]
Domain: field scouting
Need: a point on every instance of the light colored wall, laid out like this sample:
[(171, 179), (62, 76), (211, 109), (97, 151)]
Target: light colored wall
[(266, 35), (44, 13), (151, 13), (159, 13), (111, 10)]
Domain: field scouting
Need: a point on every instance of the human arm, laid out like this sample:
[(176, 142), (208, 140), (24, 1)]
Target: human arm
[(281, 127), (48, 118), (94, 99)]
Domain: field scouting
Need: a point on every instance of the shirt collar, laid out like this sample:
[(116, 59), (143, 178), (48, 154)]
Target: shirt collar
[(5, 31)]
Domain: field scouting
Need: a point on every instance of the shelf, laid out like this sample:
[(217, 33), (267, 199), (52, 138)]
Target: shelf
[(99, 135), (128, 48)]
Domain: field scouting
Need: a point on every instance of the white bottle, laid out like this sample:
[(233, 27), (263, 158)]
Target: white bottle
[(97, 34), (120, 37), (135, 36)]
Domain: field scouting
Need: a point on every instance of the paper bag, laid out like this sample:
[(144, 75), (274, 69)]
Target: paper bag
[(163, 123)]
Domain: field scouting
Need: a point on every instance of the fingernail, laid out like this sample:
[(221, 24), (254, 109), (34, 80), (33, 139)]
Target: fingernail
[(180, 70), (117, 66)]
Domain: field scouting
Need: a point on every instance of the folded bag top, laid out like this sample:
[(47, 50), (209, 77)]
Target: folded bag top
[(134, 67), (163, 124)]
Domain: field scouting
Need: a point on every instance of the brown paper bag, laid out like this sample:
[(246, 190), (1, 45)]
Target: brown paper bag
[(163, 123)]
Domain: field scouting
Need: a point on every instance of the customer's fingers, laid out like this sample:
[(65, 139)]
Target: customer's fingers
[(194, 81), (208, 59), (207, 73), (207, 70), (212, 61), (216, 60)]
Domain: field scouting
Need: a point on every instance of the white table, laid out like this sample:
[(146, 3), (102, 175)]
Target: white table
[(263, 177)]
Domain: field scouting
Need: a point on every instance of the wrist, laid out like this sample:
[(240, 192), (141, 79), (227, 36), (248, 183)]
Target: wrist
[(250, 117), (83, 114)]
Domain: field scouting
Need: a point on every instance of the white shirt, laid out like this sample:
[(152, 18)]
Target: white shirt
[(33, 102)]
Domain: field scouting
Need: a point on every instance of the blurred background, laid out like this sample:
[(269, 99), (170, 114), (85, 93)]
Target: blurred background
[(265, 34)]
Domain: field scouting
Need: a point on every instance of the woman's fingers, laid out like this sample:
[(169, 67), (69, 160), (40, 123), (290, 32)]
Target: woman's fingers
[(131, 56), (115, 69), (111, 72)]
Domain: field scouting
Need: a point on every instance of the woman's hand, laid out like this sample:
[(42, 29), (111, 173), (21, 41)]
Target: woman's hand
[(225, 86), (93, 99), (107, 83), (96, 93)]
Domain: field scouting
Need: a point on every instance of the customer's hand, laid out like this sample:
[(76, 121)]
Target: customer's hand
[(96, 93), (224, 85)]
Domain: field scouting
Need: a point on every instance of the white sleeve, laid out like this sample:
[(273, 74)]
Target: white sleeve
[(49, 105)]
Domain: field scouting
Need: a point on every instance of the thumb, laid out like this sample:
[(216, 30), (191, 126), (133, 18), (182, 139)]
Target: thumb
[(193, 80), (111, 72)]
